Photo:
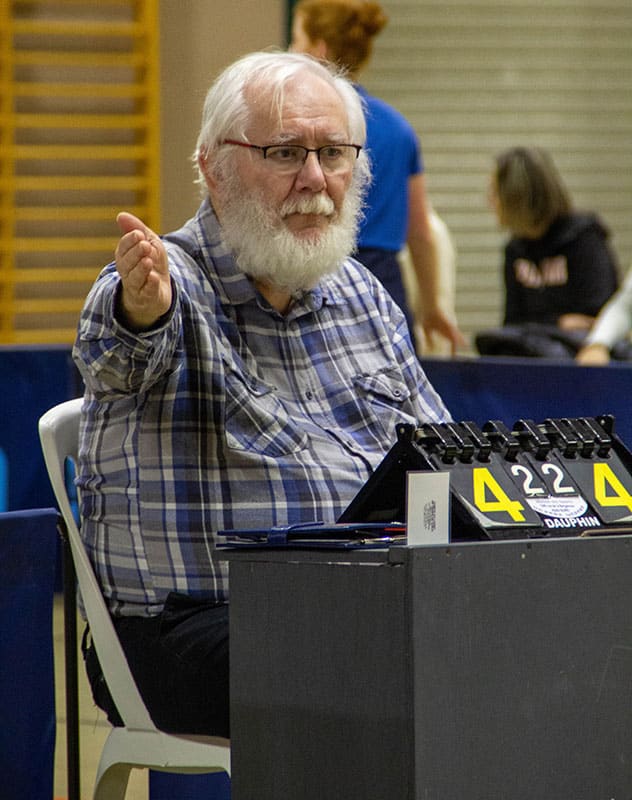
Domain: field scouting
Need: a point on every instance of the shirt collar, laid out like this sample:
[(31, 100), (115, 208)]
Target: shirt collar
[(217, 260)]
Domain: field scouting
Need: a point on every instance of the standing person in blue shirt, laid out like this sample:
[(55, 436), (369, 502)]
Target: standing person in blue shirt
[(396, 212), (241, 372)]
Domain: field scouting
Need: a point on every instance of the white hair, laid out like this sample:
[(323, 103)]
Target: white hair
[(226, 112)]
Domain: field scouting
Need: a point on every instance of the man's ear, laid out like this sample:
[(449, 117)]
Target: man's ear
[(208, 169), (205, 169), (318, 49)]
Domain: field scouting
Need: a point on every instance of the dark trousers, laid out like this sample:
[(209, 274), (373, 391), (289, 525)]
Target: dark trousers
[(179, 660)]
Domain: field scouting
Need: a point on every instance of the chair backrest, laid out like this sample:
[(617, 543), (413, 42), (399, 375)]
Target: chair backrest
[(59, 436)]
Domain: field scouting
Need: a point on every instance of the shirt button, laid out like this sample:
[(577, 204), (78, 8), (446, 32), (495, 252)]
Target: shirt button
[(308, 395)]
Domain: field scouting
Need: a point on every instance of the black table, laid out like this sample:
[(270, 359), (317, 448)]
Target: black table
[(485, 671)]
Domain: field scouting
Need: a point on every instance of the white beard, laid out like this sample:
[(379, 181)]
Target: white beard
[(266, 250)]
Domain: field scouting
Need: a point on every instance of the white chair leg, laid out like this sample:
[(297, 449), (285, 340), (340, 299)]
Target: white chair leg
[(112, 782)]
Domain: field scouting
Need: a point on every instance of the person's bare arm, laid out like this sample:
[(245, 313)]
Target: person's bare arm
[(575, 322), (423, 254), (593, 355)]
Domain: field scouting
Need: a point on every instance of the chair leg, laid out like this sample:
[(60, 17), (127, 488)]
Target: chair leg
[(112, 782), (72, 678)]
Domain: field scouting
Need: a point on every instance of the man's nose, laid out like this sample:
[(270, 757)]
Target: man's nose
[(311, 174)]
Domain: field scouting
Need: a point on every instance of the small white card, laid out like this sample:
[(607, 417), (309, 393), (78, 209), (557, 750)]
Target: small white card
[(428, 507)]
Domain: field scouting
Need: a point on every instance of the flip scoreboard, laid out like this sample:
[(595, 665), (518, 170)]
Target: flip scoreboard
[(559, 477)]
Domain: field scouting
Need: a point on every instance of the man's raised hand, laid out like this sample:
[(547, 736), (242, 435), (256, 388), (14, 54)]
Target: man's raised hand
[(141, 261)]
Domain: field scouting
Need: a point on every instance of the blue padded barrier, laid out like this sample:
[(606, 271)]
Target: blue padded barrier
[(4, 481), (32, 380), (507, 389), (167, 786), (28, 542)]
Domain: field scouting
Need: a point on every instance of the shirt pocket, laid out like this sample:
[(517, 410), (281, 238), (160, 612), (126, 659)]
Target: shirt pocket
[(385, 402), (256, 420)]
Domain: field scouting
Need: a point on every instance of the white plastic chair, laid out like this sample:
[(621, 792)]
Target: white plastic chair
[(139, 743)]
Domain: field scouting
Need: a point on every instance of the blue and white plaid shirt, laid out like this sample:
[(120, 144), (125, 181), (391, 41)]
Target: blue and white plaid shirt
[(231, 415)]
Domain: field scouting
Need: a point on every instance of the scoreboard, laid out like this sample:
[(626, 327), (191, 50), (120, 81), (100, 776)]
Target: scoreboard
[(559, 477)]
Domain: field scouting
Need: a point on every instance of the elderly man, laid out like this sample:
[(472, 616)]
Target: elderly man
[(242, 371)]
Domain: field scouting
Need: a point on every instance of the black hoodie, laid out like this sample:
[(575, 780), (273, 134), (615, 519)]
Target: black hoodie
[(569, 270)]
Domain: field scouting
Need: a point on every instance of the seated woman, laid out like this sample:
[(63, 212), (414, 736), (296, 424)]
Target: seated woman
[(558, 267)]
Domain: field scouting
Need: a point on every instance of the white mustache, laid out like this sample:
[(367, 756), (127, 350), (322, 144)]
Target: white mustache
[(316, 204)]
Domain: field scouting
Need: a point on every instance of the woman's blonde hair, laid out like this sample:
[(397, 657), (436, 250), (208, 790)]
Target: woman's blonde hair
[(530, 191), (346, 26)]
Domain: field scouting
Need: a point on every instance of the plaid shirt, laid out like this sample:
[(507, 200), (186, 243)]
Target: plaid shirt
[(229, 414)]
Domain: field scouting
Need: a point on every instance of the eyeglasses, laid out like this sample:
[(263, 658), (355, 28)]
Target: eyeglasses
[(287, 159)]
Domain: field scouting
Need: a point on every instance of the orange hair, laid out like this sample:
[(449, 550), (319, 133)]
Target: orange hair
[(346, 26)]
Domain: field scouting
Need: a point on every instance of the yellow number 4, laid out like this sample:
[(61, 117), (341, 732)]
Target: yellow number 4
[(603, 476), (485, 482)]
